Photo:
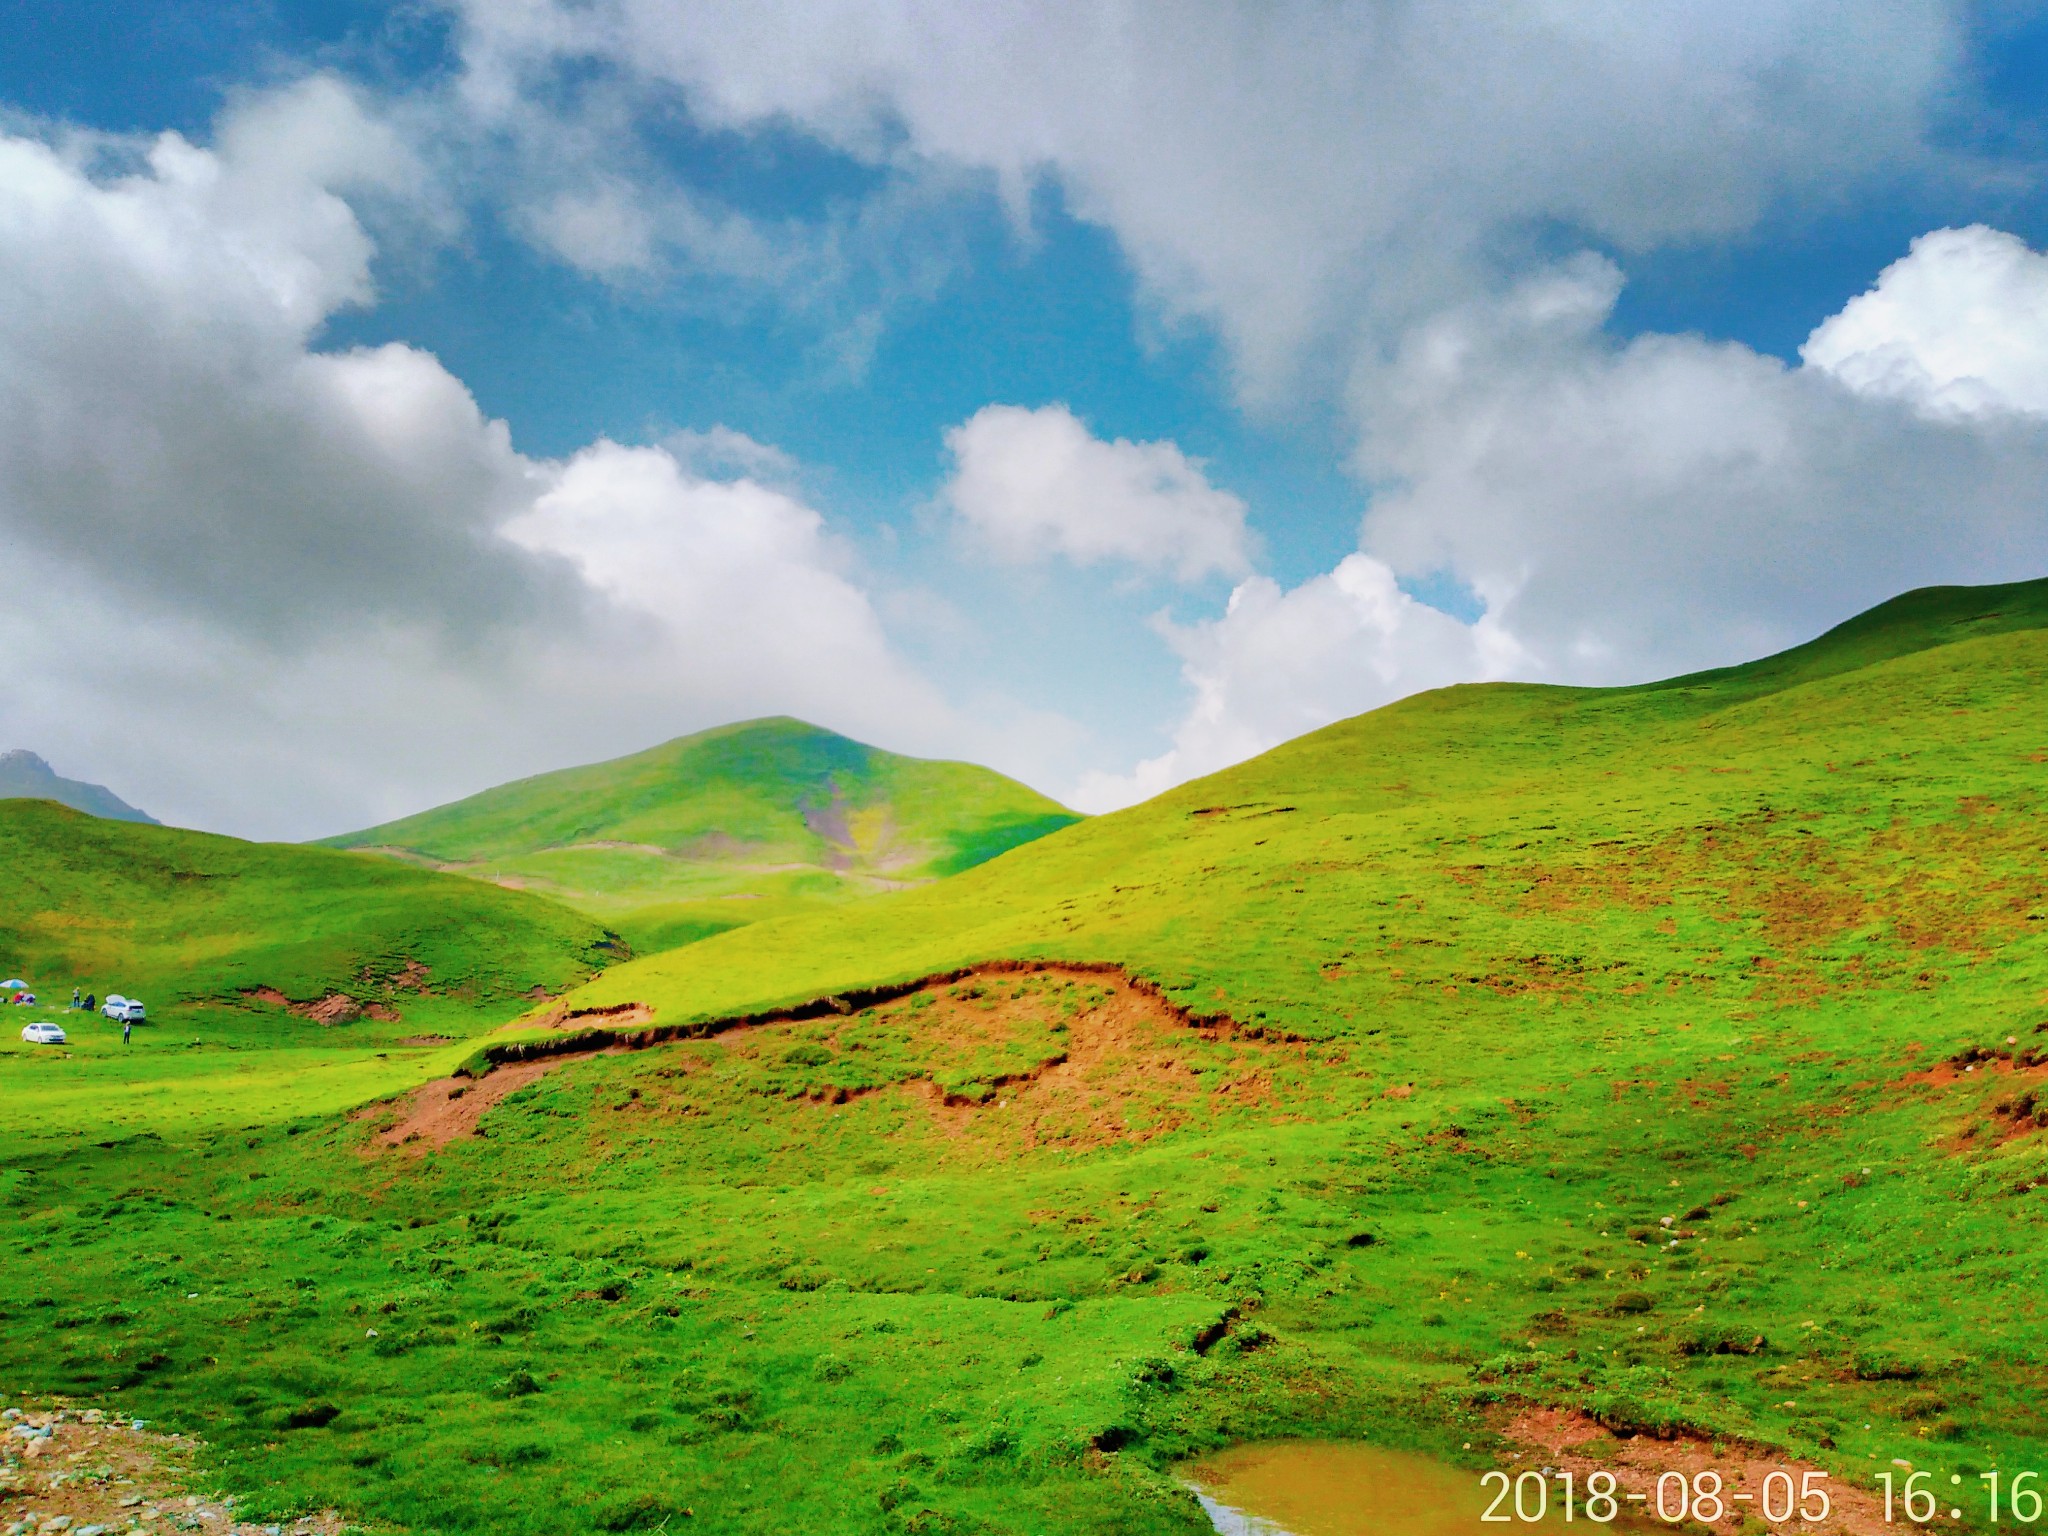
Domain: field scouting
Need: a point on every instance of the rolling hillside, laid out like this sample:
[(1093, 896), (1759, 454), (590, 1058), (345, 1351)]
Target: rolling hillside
[(724, 828), (1660, 1065), (283, 965)]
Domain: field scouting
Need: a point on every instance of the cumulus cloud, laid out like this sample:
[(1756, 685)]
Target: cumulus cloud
[(1281, 662), (1956, 327), (281, 590), (164, 424), (1291, 173), (1631, 510), (723, 590), (1628, 509), (1036, 483)]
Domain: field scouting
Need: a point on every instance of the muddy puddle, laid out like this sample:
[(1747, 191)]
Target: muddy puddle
[(1319, 1488)]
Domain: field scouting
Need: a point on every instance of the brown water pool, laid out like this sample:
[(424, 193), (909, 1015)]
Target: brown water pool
[(1326, 1488)]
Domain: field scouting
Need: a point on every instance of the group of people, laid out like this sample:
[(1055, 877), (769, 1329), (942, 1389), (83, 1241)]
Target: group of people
[(88, 1002)]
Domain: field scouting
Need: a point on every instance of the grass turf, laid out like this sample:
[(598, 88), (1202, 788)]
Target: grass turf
[(1518, 974)]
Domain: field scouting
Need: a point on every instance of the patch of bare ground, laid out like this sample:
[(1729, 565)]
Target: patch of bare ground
[(334, 1008), (1573, 1442), (1120, 1061), (2009, 1076), (98, 1471), (618, 1016), (435, 1113), (1037, 1054)]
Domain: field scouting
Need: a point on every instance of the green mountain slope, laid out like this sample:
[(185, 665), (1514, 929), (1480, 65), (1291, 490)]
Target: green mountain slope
[(25, 776), (726, 827), (1914, 621), (300, 959), (1228, 874), (1669, 1055)]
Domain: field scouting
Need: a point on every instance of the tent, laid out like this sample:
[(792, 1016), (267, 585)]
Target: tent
[(10, 985)]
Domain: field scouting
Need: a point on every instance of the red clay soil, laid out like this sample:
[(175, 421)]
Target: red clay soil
[(138, 1478), (2014, 1111), (1123, 1068), (1572, 1442), (334, 1008), (435, 1113), (1123, 1071)]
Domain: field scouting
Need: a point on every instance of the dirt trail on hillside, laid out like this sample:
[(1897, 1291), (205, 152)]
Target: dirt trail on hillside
[(1573, 1442), (435, 1113), (1104, 1056)]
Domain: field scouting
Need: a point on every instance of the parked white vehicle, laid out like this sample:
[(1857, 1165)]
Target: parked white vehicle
[(123, 1010), (42, 1034)]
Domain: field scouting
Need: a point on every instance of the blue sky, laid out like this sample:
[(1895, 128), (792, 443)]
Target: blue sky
[(1505, 316)]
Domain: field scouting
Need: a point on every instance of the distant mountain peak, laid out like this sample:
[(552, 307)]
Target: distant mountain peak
[(24, 775)]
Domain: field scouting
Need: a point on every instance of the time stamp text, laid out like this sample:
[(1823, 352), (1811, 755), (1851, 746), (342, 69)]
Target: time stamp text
[(1783, 1498)]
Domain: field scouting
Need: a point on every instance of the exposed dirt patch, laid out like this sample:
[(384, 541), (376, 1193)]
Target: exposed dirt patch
[(618, 1016), (427, 1040), (1115, 1060), (1573, 1442), (334, 1008), (435, 1113), (2010, 1080), (1028, 1053), (100, 1471)]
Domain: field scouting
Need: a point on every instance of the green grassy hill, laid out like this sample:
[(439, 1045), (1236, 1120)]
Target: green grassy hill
[(1669, 1054), (259, 963), (724, 828)]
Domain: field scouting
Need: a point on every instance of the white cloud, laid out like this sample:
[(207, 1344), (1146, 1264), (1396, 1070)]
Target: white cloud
[(720, 450), (723, 591), (1628, 510), (605, 229), (1279, 663), (1307, 177), (1624, 511), (163, 423), (1956, 327), (282, 591), (1036, 483)]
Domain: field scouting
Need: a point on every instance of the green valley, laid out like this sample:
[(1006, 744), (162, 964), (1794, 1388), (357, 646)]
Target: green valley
[(724, 828), (1668, 1059)]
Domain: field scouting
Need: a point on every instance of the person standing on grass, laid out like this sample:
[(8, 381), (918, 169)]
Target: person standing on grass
[(74, 999), (127, 1028)]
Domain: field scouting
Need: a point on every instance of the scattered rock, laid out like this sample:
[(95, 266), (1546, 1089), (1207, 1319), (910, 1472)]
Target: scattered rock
[(116, 1477)]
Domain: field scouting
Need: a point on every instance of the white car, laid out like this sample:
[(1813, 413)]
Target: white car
[(42, 1034), (123, 1010)]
